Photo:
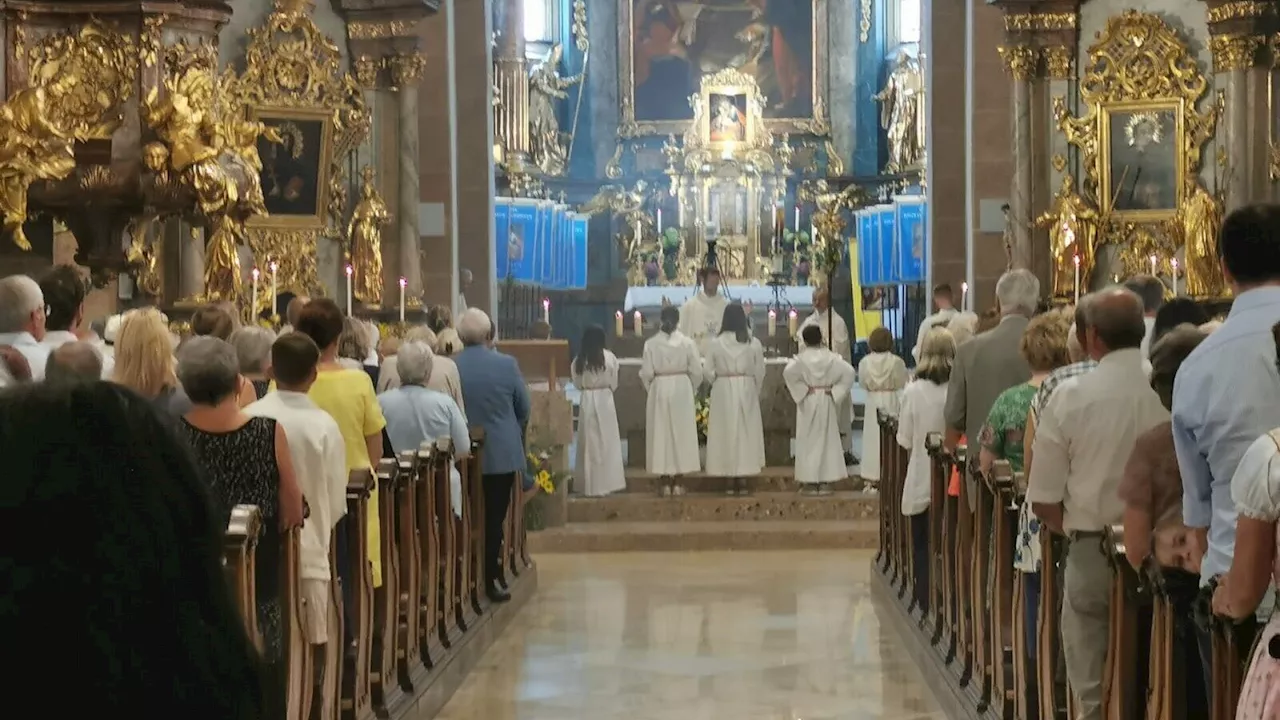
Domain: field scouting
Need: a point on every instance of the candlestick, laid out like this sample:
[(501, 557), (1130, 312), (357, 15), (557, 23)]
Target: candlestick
[(1153, 265), (403, 284), (1174, 264), (617, 324), (546, 310), (659, 221), (1076, 259), (253, 301), (773, 322), (791, 323), (964, 296), (797, 223), (349, 271), (275, 288), (637, 323)]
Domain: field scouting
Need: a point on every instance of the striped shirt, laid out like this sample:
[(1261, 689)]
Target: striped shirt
[(1056, 378)]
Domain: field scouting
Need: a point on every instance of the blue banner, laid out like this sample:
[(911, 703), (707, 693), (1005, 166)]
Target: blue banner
[(866, 232), (911, 238), (579, 252), (522, 241), (542, 251), (564, 249), (885, 272), (501, 234)]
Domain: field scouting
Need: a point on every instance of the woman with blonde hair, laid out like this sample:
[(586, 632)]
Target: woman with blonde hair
[(144, 358)]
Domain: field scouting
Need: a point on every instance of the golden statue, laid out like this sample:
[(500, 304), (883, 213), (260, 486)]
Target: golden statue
[(1073, 232), (31, 148), (1197, 221), (143, 256), (902, 114), (546, 90), (365, 235)]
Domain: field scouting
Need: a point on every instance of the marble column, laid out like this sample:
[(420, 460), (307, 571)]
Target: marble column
[(191, 261), (1020, 61), (1233, 54), (407, 73), (511, 84)]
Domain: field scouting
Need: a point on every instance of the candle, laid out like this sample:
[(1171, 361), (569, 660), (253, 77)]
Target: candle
[(680, 211), (403, 284), (275, 289), (637, 323), (253, 302), (773, 320), (546, 310), (964, 296), (813, 232), (797, 223), (1153, 265), (617, 323), (1076, 259), (659, 221), (639, 236), (349, 271), (1173, 263), (791, 323)]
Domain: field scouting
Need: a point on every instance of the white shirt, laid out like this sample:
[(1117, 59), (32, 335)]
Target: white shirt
[(1150, 322), (1085, 436), (938, 319), (320, 462), (55, 339), (37, 355), (839, 331), (921, 413)]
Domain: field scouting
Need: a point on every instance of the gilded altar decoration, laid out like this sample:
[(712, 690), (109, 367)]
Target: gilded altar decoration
[(1197, 222), (143, 256), (1073, 233), (365, 238), (547, 144), (902, 114), (91, 72), (32, 147)]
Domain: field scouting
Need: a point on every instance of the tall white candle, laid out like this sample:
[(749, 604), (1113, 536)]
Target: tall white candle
[(403, 284), (659, 221), (275, 286), (1076, 259), (617, 323), (813, 232), (546, 310), (964, 296), (1173, 263), (253, 301), (349, 271), (1153, 265), (773, 322), (797, 223)]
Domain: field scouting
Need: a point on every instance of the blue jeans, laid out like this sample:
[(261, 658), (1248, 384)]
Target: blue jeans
[(1031, 609)]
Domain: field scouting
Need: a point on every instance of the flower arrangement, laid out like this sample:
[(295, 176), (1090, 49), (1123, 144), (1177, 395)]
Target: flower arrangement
[(540, 470), (702, 416)]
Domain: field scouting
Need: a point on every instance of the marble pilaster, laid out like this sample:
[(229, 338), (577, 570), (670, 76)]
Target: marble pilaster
[(842, 31), (1236, 123), (409, 233), (191, 262), (1020, 61), (602, 82)]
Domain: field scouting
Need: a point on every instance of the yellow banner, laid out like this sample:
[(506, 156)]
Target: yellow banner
[(863, 322)]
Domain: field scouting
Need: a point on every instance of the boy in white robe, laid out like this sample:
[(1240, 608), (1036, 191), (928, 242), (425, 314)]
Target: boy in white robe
[(816, 379), (823, 316), (701, 315), (671, 371)]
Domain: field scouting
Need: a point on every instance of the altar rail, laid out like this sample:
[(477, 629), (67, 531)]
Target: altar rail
[(432, 601), (965, 620)]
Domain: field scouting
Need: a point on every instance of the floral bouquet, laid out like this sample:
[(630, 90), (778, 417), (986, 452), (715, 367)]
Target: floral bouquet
[(702, 415), (540, 475)]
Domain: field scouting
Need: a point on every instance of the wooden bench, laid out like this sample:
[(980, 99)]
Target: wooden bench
[(383, 676), (410, 667), (357, 695), (1003, 508), (430, 462)]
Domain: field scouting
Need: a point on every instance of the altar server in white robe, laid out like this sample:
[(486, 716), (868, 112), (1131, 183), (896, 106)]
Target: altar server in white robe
[(734, 366), (883, 375), (817, 378), (839, 343), (671, 371), (702, 314), (595, 374)]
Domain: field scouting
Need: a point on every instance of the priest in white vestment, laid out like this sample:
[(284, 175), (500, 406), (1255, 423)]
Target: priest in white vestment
[(822, 316), (671, 371), (734, 366), (595, 374), (884, 376), (702, 314), (817, 378)]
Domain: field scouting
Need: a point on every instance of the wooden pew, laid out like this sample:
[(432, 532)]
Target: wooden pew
[(1004, 528), (939, 594), (385, 687), (473, 517), (239, 550), (299, 672), (1025, 686), (964, 574), (1053, 694), (1161, 674), (410, 668), (430, 462), (885, 552), (357, 696), (944, 463), (453, 554), (1124, 681), (330, 700), (1228, 670), (980, 586)]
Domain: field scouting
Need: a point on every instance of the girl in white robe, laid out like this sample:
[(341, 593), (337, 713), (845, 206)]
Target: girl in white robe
[(734, 366), (595, 374), (671, 370), (817, 378), (883, 375)]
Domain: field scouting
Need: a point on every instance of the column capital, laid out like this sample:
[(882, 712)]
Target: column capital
[(1020, 61), (378, 31), (1059, 61), (1234, 51), (406, 69), (1040, 22)]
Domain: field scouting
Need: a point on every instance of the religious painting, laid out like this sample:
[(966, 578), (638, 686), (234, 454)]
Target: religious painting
[(668, 46), (294, 171), (1141, 161), (728, 118)]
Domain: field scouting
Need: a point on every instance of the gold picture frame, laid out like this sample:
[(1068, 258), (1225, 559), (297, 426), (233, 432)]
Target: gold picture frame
[(728, 112), (814, 121), (1141, 161), (304, 157)]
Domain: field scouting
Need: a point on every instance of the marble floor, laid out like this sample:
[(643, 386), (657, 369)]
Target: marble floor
[(698, 636)]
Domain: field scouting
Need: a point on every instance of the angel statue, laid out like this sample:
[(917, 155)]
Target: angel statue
[(31, 148), (546, 90), (1073, 232), (902, 114), (365, 235), (1197, 222)]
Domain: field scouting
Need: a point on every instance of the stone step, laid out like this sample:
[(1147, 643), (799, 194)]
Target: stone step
[(718, 507), (706, 535), (771, 479)]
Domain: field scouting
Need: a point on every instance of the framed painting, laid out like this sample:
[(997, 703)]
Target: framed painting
[(295, 171), (666, 48), (1141, 163)]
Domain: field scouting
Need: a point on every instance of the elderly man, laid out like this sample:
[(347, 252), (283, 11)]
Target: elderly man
[(498, 401), (22, 321), (417, 413), (292, 312), (444, 371), (77, 361), (990, 363), (1085, 436)]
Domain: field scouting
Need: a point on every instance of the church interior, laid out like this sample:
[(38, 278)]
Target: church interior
[(868, 167)]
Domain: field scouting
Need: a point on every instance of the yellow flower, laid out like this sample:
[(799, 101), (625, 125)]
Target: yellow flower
[(544, 481)]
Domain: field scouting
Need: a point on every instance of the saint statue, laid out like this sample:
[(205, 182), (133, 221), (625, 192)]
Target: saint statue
[(902, 114), (1198, 220), (32, 147), (365, 236), (546, 90), (1073, 232)]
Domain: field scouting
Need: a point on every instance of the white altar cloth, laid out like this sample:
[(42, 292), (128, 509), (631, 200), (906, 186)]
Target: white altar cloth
[(643, 297)]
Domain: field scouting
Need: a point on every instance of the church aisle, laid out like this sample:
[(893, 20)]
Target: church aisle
[(698, 636)]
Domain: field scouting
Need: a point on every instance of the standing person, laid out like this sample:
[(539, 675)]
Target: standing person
[(921, 414), (23, 316), (292, 311), (1084, 437), (253, 346), (883, 375), (595, 374), (498, 401), (701, 316), (64, 292), (734, 365), (1151, 290), (1226, 395), (821, 317), (671, 371), (77, 361), (144, 362), (942, 300), (817, 378), (464, 284)]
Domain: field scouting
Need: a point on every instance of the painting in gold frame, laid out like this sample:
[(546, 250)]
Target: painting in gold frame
[(666, 46), (295, 172), (1141, 162)]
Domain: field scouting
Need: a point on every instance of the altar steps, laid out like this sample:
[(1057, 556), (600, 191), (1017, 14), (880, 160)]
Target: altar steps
[(707, 507), (692, 536), (779, 479)]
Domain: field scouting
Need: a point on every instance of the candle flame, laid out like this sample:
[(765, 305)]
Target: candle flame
[(349, 271), (791, 314), (255, 273), (273, 267), (404, 282), (1076, 260), (619, 313)]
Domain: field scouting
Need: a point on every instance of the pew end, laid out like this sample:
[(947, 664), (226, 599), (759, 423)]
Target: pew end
[(239, 550), (357, 698)]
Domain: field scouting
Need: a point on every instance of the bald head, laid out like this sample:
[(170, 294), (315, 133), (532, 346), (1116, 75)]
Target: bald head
[(1115, 321), (74, 362)]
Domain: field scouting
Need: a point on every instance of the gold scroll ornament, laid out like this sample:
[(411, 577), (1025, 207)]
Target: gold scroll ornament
[(1073, 232)]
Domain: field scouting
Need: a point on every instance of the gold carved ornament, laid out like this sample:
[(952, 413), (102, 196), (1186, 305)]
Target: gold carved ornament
[(365, 234), (1239, 10), (1019, 61), (1234, 52), (1059, 61), (1037, 22)]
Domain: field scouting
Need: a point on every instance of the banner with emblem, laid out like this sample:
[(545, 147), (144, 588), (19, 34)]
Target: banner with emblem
[(867, 230), (578, 277), (911, 238), (885, 270), (521, 240)]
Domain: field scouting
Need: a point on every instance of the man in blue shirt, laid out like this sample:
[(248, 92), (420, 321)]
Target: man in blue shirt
[(1227, 393)]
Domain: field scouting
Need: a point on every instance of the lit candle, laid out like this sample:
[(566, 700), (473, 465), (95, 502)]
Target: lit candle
[(773, 320), (253, 302), (791, 323), (1153, 264), (659, 221), (813, 232), (403, 284), (637, 323), (275, 289), (349, 271), (617, 323), (1076, 259), (797, 223), (964, 296), (639, 236), (680, 211), (546, 310), (1173, 263)]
